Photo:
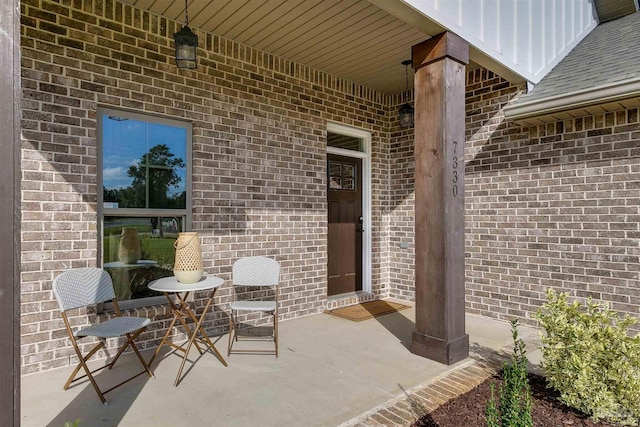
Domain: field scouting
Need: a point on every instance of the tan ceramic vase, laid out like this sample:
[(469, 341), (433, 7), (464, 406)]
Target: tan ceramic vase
[(129, 247), (188, 265)]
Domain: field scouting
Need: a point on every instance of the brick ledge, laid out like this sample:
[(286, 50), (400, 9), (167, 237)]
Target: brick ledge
[(412, 404)]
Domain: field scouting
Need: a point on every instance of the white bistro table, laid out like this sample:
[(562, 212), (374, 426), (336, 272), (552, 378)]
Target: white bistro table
[(182, 313)]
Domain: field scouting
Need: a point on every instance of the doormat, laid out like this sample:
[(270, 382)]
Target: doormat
[(367, 310)]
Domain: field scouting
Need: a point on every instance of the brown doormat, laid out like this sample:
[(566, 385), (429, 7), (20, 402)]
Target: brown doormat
[(367, 310)]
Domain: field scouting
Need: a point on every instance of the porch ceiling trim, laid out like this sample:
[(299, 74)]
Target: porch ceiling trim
[(573, 104)]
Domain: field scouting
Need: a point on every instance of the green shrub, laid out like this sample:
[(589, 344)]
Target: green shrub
[(515, 394), (590, 358), (492, 412)]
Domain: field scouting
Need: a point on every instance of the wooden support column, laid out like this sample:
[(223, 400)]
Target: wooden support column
[(10, 212), (439, 65)]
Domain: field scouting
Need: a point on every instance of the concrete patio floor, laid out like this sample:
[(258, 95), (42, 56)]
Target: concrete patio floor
[(329, 371)]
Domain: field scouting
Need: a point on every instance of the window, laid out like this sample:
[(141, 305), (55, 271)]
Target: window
[(145, 173), (344, 142), (342, 176)]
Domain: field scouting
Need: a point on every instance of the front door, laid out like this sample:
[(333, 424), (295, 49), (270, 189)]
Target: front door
[(344, 194)]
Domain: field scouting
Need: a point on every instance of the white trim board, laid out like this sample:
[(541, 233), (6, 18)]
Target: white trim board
[(365, 155)]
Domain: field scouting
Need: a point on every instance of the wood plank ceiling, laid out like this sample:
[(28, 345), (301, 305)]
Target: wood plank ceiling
[(352, 39)]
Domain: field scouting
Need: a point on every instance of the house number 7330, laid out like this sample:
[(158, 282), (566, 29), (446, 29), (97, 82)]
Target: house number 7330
[(454, 169)]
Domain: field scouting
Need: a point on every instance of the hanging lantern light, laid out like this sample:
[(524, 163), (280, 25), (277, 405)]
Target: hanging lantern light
[(186, 45), (405, 114)]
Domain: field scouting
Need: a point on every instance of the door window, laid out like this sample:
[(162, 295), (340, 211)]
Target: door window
[(342, 176)]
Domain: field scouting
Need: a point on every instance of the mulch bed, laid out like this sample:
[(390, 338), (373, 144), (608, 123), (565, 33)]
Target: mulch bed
[(468, 409)]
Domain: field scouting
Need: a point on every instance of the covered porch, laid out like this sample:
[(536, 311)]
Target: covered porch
[(260, 121), (322, 378), (251, 172)]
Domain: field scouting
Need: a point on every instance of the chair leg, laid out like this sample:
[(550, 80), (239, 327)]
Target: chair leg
[(94, 384), (89, 373), (83, 365), (130, 342), (275, 331), (137, 352), (83, 360), (130, 339), (232, 328)]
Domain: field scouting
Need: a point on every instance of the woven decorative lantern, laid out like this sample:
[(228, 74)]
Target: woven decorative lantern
[(188, 265), (129, 246)]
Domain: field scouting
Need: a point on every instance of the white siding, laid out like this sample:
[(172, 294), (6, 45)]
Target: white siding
[(527, 36)]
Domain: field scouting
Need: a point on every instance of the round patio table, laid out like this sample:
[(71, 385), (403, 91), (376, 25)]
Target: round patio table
[(182, 312)]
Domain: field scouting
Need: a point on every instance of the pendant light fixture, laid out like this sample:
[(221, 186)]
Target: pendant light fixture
[(186, 45), (405, 114)]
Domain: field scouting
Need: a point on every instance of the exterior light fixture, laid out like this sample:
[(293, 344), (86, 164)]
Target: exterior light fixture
[(186, 45), (405, 114)]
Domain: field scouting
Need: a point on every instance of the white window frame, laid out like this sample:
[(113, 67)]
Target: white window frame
[(365, 155), (139, 212)]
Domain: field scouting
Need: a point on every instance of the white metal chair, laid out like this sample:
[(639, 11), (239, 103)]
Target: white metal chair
[(254, 272), (83, 287)]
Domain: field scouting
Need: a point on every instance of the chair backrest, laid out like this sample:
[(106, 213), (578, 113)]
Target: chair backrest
[(256, 271), (80, 287)]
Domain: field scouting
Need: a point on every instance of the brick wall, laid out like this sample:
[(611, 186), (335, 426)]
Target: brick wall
[(259, 154), (555, 205), (401, 218)]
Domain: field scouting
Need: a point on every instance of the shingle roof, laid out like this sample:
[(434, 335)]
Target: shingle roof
[(607, 55)]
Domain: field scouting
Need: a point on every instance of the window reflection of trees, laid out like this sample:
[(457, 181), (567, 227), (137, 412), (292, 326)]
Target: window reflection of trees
[(153, 178), (145, 177)]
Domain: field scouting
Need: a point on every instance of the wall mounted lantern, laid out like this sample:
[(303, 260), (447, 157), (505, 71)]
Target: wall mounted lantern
[(186, 45), (405, 114)]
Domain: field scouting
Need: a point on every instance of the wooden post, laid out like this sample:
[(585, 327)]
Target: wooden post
[(439, 65), (10, 213)]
